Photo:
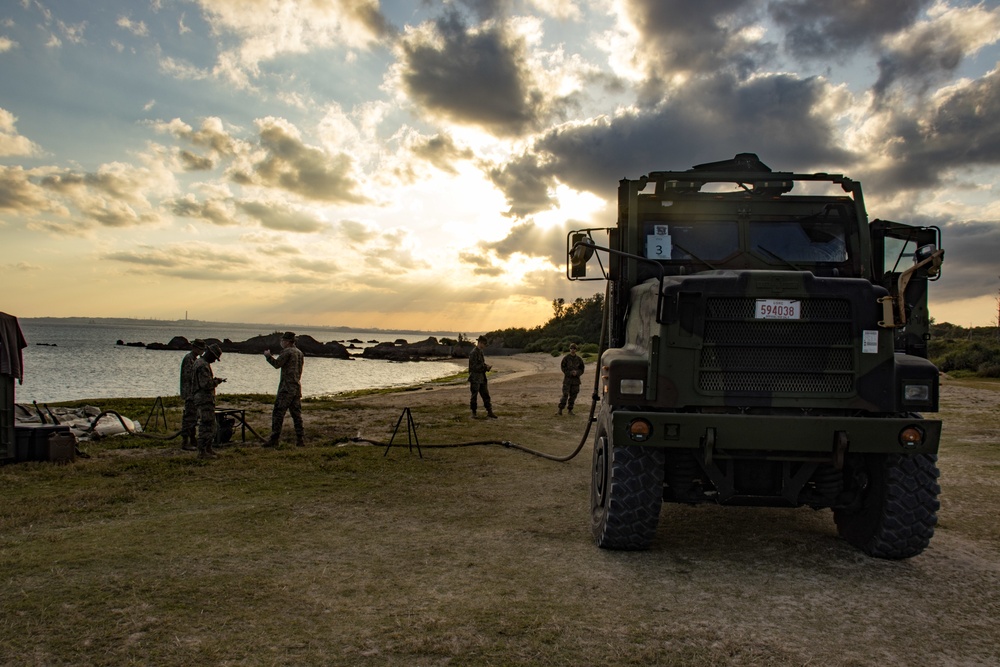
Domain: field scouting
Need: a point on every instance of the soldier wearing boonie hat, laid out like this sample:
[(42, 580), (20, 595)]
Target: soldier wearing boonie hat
[(289, 397)]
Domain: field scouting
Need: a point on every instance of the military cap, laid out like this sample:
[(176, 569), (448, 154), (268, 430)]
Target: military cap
[(288, 335)]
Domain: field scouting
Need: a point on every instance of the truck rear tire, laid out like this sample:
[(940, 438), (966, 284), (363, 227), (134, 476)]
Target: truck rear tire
[(899, 507), (625, 495)]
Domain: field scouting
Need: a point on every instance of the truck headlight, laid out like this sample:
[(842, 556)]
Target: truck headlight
[(631, 386), (916, 393)]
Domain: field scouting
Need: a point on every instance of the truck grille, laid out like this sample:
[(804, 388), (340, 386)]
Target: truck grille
[(811, 355)]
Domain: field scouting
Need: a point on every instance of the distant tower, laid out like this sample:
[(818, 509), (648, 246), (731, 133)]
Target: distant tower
[(185, 316)]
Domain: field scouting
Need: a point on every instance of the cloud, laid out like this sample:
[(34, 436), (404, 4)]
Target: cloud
[(289, 164), (819, 29), (482, 76), (529, 239), (19, 194), (23, 266), (215, 211), (12, 143), (282, 217), (526, 183), (211, 136), (182, 70), (116, 195), (931, 49), (440, 151), (356, 232), (7, 44), (193, 162), (383, 251), (137, 28), (566, 10), (193, 261), (918, 146), (265, 30), (255, 262), (482, 264), (670, 39), (970, 265), (776, 116)]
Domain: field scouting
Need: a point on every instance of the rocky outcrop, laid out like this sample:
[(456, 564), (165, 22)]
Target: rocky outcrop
[(176, 343), (425, 349), (310, 346)]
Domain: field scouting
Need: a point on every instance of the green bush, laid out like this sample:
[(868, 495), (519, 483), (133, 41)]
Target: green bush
[(971, 355), (542, 345), (990, 369)]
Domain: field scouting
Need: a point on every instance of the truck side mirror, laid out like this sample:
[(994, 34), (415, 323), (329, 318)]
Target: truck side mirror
[(581, 250), (927, 260)]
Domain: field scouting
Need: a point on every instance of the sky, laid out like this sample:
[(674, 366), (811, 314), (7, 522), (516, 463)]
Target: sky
[(408, 164)]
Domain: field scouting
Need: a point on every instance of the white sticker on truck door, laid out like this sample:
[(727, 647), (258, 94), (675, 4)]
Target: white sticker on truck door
[(869, 344)]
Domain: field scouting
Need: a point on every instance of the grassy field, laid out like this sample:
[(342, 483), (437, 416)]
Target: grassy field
[(335, 554)]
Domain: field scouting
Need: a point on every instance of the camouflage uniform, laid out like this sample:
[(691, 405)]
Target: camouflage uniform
[(572, 368), (477, 381), (289, 398), (189, 420), (203, 385)]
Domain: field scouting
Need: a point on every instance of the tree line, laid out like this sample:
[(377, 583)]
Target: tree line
[(576, 322)]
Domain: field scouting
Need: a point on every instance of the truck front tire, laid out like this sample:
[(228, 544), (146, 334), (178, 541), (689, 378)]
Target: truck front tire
[(899, 507), (626, 494)]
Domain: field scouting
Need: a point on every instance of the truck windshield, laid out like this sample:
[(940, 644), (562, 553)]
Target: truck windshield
[(799, 242), (710, 241)]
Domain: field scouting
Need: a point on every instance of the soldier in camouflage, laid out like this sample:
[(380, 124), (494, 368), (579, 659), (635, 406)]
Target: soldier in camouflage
[(572, 368), (477, 378), (203, 384), (289, 398), (189, 420)]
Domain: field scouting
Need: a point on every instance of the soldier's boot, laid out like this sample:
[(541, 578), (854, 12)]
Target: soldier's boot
[(560, 410), (188, 442), (489, 413), (271, 442), (300, 440), (569, 410), (473, 413)]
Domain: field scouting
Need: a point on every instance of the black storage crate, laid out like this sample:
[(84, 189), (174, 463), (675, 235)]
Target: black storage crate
[(8, 443), (44, 442)]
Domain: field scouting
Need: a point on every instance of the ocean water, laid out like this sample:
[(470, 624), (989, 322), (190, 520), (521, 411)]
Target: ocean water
[(76, 360)]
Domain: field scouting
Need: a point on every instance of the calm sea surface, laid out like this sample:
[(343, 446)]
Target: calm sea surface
[(65, 362)]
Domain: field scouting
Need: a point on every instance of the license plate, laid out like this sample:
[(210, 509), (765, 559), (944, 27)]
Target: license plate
[(778, 309)]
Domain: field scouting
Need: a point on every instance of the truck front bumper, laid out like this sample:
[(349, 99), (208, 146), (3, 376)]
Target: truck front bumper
[(777, 436)]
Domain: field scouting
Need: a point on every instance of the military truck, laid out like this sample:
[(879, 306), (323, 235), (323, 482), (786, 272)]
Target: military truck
[(766, 345)]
